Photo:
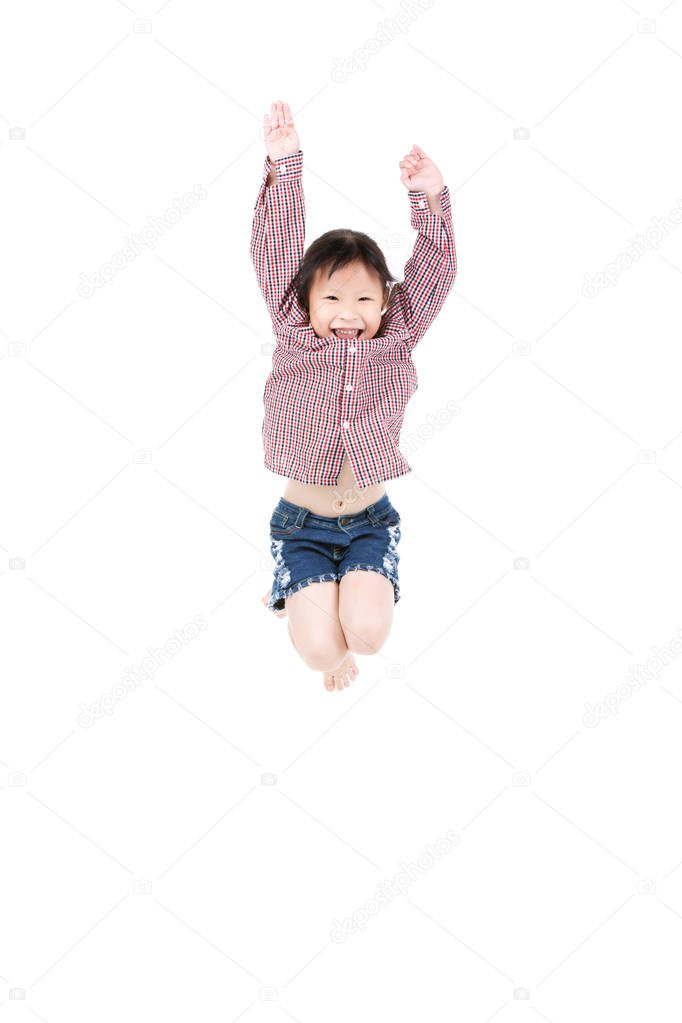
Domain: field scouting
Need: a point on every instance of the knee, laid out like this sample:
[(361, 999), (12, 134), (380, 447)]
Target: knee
[(366, 635), (322, 655)]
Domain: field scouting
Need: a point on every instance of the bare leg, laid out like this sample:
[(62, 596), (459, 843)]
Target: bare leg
[(365, 610), (317, 635)]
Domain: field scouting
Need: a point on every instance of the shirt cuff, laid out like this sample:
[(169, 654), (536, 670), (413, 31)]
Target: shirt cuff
[(419, 202), (287, 166)]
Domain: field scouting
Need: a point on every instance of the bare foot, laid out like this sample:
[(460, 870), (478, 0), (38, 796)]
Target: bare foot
[(266, 598), (342, 676)]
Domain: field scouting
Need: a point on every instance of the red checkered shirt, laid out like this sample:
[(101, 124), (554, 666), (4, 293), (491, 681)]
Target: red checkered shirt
[(326, 396)]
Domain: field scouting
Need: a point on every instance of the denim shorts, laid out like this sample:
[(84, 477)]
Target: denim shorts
[(309, 548)]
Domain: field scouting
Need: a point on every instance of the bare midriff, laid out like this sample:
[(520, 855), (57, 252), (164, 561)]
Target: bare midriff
[(345, 498)]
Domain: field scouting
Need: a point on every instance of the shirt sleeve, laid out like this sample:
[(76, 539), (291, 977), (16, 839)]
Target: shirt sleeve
[(431, 269), (278, 233)]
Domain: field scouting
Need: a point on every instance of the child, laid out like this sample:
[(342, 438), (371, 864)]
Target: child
[(342, 374)]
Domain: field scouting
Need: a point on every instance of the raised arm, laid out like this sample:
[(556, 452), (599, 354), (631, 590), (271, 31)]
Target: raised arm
[(278, 228), (431, 269)]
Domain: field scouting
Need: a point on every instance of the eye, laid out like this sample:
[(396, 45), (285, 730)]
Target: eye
[(330, 296)]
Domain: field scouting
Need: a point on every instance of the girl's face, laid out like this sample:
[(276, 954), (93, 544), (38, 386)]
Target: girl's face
[(352, 301)]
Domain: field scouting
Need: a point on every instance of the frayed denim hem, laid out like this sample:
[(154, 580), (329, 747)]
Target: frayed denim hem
[(375, 568), (277, 603)]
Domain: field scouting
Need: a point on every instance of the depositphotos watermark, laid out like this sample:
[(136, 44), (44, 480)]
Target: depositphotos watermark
[(388, 30), (143, 672), (639, 246), (137, 243), (387, 890), (426, 430), (408, 444), (639, 675)]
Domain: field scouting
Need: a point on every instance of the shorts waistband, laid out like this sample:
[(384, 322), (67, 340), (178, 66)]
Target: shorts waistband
[(300, 513)]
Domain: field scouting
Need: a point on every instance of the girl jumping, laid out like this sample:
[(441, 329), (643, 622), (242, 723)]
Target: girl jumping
[(342, 374)]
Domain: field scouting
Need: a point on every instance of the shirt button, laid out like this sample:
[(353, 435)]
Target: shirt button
[(352, 351), (349, 387), (346, 425)]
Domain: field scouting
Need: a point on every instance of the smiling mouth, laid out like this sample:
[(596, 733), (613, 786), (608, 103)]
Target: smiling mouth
[(346, 332)]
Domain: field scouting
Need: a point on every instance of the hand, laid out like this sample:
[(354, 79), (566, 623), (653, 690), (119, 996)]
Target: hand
[(279, 134), (419, 173)]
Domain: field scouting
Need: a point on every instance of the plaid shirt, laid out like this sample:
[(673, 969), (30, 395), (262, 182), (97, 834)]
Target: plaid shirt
[(328, 396)]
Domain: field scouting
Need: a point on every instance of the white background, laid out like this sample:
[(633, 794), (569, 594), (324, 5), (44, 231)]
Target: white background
[(147, 871)]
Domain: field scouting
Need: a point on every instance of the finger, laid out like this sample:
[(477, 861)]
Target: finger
[(287, 114)]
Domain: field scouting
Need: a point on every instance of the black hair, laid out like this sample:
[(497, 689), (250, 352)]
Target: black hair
[(334, 250)]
